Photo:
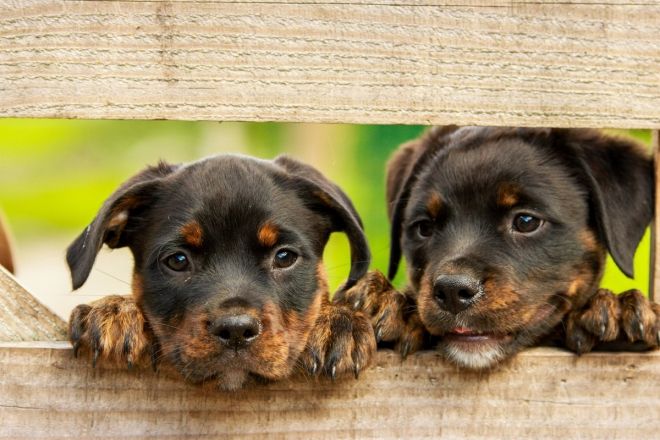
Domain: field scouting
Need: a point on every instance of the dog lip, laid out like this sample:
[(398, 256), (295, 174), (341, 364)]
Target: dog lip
[(466, 334)]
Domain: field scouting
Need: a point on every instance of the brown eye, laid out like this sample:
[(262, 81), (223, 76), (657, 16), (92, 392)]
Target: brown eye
[(177, 262), (284, 258), (525, 223), (424, 228)]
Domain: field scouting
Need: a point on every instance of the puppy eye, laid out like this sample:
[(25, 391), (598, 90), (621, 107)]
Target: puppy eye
[(284, 258), (525, 223), (424, 228), (177, 262)]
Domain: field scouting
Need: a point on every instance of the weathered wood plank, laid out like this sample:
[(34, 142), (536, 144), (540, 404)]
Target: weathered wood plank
[(654, 278), (23, 318), (544, 393), (426, 61)]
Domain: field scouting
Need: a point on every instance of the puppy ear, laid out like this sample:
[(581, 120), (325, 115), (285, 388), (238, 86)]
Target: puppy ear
[(402, 171), (113, 220), (619, 174), (342, 213)]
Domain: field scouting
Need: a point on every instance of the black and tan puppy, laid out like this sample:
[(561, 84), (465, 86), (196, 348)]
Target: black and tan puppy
[(228, 281), (505, 233)]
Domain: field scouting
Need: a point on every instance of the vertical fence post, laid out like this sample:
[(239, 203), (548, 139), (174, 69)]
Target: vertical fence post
[(654, 278)]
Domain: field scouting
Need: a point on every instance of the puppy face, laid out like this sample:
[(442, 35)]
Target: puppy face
[(506, 230), (227, 260)]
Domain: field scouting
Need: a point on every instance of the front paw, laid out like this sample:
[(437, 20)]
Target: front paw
[(341, 341), (609, 317), (393, 314), (112, 329), (376, 298)]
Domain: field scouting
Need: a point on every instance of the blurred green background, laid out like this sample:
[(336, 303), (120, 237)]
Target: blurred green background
[(54, 174)]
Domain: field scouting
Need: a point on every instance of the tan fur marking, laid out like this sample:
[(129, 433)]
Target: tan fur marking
[(507, 195), (434, 204), (268, 234), (192, 233), (588, 239)]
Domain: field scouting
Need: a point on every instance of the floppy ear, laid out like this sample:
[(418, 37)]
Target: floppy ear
[(342, 213), (113, 221), (402, 171), (619, 174)]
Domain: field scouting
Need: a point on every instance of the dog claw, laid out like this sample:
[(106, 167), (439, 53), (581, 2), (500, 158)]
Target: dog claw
[(602, 331), (578, 346), (640, 330), (129, 365), (405, 350), (379, 333), (76, 347), (356, 371), (333, 372), (96, 357), (154, 358), (357, 304)]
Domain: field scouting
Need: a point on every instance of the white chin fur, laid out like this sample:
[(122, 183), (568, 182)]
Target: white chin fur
[(232, 379), (479, 360)]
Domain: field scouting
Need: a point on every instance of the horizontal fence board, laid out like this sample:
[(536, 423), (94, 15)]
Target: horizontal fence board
[(428, 62), (543, 393)]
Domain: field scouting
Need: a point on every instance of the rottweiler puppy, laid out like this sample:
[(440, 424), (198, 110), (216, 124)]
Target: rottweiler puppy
[(505, 233), (228, 281)]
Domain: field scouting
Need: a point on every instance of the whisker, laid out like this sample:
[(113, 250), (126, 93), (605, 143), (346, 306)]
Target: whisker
[(111, 276)]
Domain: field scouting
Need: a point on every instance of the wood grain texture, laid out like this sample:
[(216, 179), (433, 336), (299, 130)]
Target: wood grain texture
[(543, 394), (23, 318), (381, 61)]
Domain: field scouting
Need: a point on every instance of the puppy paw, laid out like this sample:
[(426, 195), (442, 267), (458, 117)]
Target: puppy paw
[(341, 341), (376, 298), (112, 329), (393, 314), (640, 318), (609, 317)]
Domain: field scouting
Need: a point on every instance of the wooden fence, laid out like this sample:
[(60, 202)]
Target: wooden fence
[(533, 63)]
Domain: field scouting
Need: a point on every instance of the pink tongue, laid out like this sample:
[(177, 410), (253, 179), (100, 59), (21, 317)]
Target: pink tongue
[(461, 330)]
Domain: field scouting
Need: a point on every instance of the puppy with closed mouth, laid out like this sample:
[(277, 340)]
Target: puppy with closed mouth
[(505, 232), (228, 281)]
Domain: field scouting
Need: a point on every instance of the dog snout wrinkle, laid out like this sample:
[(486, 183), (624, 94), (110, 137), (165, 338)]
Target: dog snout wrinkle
[(236, 331), (456, 292)]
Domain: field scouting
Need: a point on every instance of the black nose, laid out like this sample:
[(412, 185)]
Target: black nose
[(236, 331), (456, 293)]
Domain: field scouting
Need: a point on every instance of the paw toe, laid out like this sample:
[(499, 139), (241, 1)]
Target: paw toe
[(601, 318), (638, 318)]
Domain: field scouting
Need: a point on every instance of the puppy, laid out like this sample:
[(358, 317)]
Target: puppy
[(228, 281), (505, 233), (6, 259)]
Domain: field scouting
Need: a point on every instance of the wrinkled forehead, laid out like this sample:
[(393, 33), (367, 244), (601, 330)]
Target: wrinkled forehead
[(228, 194), (497, 171)]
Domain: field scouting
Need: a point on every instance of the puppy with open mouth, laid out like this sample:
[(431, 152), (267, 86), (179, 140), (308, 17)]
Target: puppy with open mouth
[(228, 281), (505, 233)]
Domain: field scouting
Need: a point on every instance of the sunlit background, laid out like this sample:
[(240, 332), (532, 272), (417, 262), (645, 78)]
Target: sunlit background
[(54, 175)]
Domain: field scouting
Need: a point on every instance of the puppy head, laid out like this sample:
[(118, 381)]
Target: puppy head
[(505, 230), (227, 259)]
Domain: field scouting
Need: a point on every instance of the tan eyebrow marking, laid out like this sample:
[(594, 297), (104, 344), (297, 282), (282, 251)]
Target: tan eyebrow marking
[(434, 204), (508, 195), (268, 234), (192, 233)]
